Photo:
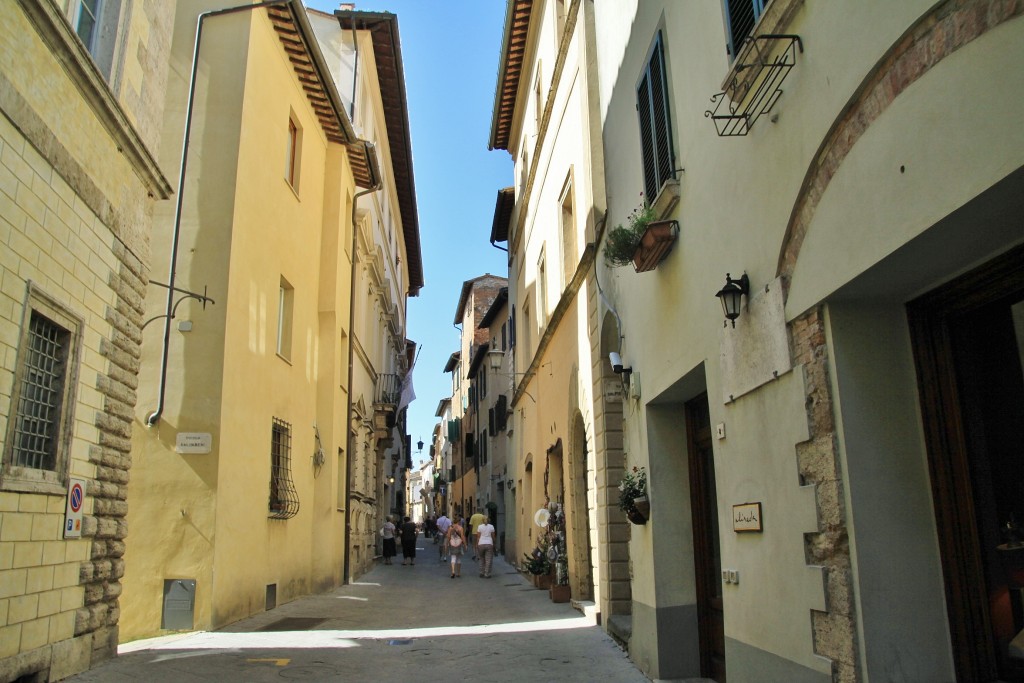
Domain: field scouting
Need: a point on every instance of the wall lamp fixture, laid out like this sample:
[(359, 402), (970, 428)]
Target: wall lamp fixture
[(616, 360), (731, 296)]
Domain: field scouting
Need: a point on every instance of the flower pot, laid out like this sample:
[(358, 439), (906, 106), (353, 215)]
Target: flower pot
[(560, 593), (543, 581), (635, 516), (655, 244), (642, 505)]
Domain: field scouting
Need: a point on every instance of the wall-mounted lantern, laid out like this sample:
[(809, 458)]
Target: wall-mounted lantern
[(731, 296)]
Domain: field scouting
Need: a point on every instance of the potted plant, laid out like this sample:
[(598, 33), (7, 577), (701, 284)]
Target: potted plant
[(560, 591), (643, 241), (633, 495)]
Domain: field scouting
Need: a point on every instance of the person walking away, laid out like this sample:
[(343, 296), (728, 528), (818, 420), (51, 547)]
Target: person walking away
[(476, 520), (387, 532), (485, 548), (408, 533), (442, 531), (456, 541)]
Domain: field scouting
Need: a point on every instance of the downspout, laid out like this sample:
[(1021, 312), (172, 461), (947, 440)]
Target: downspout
[(375, 173), (154, 416)]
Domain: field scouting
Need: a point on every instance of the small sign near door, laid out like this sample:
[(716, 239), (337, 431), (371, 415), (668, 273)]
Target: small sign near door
[(746, 517)]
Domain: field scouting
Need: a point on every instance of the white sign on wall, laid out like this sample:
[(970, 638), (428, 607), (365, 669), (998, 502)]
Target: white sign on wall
[(73, 511), (194, 442)]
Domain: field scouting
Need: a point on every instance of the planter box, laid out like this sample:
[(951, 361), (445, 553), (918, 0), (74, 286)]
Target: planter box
[(655, 244), (560, 593), (543, 581)]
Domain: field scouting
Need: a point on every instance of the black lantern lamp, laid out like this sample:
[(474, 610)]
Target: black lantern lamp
[(731, 297), (419, 445)]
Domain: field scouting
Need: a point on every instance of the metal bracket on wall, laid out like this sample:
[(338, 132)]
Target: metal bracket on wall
[(188, 295), (762, 65)]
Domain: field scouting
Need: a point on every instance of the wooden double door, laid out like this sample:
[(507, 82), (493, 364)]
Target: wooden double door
[(968, 342)]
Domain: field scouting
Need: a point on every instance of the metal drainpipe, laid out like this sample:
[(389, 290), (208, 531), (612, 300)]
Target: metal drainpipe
[(351, 363), (154, 416)]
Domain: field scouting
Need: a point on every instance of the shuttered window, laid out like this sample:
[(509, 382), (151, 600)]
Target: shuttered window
[(742, 15), (655, 124)]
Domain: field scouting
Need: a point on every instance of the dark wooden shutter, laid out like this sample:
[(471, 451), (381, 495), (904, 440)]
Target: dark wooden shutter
[(501, 413), (491, 426), (655, 124), (742, 17)]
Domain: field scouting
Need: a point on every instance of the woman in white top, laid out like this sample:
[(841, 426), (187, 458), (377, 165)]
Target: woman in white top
[(388, 533), (485, 548)]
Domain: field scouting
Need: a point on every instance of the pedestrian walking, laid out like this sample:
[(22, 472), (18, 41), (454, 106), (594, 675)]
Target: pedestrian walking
[(476, 520), (442, 531), (456, 542), (387, 532), (485, 547), (408, 533)]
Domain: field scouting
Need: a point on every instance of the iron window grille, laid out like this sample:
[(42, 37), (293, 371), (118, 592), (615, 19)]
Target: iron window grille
[(36, 426), (39, 428), (655, 123), (284, 500)]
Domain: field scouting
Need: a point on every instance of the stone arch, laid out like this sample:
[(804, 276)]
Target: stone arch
[(613, 588), (947, 27), (580, 502)]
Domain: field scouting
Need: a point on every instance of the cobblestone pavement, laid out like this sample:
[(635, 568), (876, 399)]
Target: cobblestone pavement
[(396, 623)]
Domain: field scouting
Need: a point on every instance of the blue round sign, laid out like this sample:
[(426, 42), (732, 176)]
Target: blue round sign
[(76, 497)]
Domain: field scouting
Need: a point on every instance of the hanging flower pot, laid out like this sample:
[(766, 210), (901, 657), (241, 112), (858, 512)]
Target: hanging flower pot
[(655, 244), (636, 517), (642, 505)]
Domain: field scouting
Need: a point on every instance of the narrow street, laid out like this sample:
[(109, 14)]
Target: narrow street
[(397, 623)]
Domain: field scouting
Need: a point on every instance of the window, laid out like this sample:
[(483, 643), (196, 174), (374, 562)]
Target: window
[(293, 158), (483, 448), (85, 23), (538, 100), (284, 501), (527, 324), (655, 124), (39, 430), (542, 287), (285, 306), (504, 336), (567, 224), (483, 382), (741, 15), (96, 24)]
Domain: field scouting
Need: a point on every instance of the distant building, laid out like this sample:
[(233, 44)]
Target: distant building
[(81, 104)]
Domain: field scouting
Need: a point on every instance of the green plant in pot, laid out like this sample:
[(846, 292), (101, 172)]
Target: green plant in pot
[(621, 241)]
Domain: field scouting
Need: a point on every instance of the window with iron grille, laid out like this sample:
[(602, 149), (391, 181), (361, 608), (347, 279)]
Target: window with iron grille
[(741, 16), (655, 123), (284, 500), (39, 429)]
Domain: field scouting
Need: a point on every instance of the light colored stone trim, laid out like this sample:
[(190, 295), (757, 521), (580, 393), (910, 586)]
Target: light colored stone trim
[(55, 31)]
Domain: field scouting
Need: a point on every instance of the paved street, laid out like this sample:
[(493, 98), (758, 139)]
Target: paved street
[(397, 623)]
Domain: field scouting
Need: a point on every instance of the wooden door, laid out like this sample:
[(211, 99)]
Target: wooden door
[(707, 548)]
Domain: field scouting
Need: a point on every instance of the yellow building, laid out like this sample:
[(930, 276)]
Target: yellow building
[(363, 51), (545, 115), (240, 439), (79, 131)]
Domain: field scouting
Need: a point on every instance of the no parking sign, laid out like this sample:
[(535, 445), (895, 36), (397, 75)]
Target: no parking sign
[(73, 514)]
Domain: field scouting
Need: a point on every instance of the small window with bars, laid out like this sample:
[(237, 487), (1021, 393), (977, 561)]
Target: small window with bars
[(38, 432), (284, 500)]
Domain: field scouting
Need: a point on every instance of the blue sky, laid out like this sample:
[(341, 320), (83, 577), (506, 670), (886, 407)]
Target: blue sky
[(450, 51)]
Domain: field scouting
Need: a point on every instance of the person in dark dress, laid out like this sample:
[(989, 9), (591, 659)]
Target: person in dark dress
[(408, 533)]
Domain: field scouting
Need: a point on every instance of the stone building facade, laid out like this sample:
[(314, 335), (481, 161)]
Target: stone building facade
[(79, 126)]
